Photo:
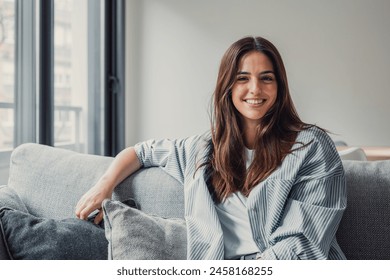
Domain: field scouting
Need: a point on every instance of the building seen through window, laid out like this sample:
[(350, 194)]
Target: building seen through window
[(7, 73)]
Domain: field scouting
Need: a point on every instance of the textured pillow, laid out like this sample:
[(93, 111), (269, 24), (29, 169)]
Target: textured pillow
[(10, 199), (32, 238), (135, 235)]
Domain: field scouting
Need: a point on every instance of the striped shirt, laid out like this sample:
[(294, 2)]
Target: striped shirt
[(233, 215), (293, 214)]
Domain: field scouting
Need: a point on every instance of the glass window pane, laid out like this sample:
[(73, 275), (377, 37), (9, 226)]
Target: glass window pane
[(7, 73), (7, 85), (77, 75)]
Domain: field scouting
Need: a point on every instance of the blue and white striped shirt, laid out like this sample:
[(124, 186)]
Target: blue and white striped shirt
[(293, 214)]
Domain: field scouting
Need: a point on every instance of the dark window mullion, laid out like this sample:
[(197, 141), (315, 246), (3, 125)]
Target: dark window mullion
[(46, 72), (114, 76)]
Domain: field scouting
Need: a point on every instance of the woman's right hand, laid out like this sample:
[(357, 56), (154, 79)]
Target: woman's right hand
[(92, 200), (124, 164)]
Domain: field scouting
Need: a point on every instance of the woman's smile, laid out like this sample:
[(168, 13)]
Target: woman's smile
[(255, 102)]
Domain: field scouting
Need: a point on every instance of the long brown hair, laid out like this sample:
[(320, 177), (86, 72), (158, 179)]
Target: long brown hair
[(276, 133)]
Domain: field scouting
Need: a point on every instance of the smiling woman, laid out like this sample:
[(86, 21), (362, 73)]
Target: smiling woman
[(253, 109), (261, 184)]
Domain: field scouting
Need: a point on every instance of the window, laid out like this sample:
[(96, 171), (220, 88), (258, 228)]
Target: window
[(7, 73), (7, 84), (78, 75), (84, 53)]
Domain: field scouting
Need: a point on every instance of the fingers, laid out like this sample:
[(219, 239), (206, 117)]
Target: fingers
[(79, 207), (84, 208), (91, 201), (99, 217)]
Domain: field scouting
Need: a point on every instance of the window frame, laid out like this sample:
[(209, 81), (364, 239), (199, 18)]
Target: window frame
[(114, 131), (34, 77)]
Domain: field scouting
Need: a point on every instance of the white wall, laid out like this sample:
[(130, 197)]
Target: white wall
[(335, 52)]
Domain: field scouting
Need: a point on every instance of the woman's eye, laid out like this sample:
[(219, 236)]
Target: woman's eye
[(267, 78), (242, 78)]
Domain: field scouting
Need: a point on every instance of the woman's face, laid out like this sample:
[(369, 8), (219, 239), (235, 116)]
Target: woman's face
[(255, 89)]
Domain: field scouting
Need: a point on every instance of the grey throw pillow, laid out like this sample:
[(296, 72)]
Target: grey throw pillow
[(32, 238), (135, 235), (10, 199)]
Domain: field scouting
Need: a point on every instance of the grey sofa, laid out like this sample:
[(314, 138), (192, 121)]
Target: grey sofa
[(50, 181)]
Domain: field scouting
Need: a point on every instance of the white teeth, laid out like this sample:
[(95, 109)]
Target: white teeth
[(254, 101)]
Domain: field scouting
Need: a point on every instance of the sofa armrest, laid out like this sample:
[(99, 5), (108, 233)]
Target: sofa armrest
[(50, 181)]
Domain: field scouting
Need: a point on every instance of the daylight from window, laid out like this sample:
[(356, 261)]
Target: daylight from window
[(7, 73)]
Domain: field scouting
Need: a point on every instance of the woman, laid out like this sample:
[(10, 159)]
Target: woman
[(261, 184)]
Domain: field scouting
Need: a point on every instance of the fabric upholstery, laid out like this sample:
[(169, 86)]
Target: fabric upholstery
[(44, 175), (135, 235), (364, 232), (155, 191), (9, 199), (31, 238)]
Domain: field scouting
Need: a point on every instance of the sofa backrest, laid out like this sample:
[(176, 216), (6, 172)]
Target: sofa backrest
[(364, 231)]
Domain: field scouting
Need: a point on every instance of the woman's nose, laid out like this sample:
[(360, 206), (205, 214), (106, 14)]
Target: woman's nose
[(255, 87)]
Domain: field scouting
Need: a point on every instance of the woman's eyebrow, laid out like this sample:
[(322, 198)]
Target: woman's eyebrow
[(267, 72), (261, 73)]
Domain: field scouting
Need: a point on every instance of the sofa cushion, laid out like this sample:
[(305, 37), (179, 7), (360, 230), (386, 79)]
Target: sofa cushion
[(10, 199), (365, 227), (135, 235), (28, 237)]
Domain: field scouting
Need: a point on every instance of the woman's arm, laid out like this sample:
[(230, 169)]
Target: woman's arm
[(309, 221), (123, 165), (170, 155), (305, 227)]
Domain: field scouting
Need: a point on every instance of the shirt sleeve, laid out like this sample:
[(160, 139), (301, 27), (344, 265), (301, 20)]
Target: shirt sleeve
[(314, 207), (173, 156)]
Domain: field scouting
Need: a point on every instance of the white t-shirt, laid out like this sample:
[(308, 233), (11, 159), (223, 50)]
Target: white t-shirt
[(234, 219)]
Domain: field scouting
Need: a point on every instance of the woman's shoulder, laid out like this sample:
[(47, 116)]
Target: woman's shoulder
[(315, 142), (314, 151), (199, 139), (194, 143), (314, 134)]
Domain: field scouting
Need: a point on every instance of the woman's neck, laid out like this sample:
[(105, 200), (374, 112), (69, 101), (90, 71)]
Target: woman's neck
[(249, 137)]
